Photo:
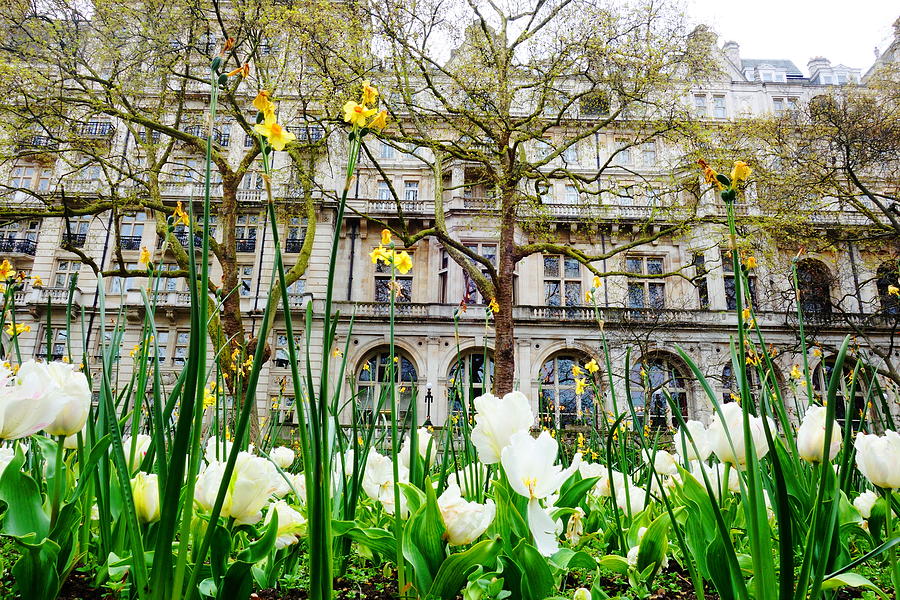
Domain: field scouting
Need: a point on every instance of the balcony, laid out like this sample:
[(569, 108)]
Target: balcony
[(18, 246), (293, 245), (76, 240), (130, 242), (390, 206), (246, 245), (249, 195), (56, 296), (37, 143), (97, 130)]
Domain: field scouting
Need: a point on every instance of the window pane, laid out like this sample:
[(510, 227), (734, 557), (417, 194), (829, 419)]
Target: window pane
[(634, 265), (551, 293), (635, 295), (573, 293), (551, 266), (573, 267), (657, 295), (654, 266)]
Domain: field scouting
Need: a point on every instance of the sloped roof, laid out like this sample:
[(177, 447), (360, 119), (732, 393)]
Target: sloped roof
[(789, 66)]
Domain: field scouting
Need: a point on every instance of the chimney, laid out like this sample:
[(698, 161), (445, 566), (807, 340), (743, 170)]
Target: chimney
[(817, 64), (733, 51)]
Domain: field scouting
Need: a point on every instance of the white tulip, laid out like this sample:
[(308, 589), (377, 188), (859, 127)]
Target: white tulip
[(700, 436), (716, 474), (633, 556), (145, 490), (298, 483), (465, 521), (582, 594), (470, 477), (497, 421), (632, 499), (291, 523), (606, 486), (282, 456), (663, 462), (424, 439), (249, 490), (378, 481), (732, 422), (279, 482), (878, 458), (575, 526), (141, 444), (71, 441), (530, 467), (74, 395), (811, 435), (865, 502), (28, 405), (215, 451)]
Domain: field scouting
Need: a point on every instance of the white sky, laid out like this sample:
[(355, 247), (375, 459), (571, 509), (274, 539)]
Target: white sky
[(842, 31)]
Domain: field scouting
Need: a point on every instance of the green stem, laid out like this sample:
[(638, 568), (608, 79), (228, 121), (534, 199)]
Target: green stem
[(57, 480)]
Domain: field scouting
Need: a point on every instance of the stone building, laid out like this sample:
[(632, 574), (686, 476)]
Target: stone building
[(439, 344)]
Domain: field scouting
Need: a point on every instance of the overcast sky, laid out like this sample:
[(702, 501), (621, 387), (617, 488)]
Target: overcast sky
[(844, 32)]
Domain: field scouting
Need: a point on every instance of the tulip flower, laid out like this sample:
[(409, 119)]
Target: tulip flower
[(811, 436), (215, 452), (530, 467), (865, 502), (73, 394), (465, 521), (282, 456), (575, 526), (664, 463), (6, 456), (280, 484), (378, 481), (582, 594), (716, 475), (145, 490), (291, 523), (424, 439), (878, 458), (139, 446), (632, 499), (700, 436), (730, 424), (298, 485), (29, 404), (248, 491), (497, 421)]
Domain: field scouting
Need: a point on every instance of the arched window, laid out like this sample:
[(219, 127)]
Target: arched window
[(730, 384), (821, 379), (814, 280), (652, 379), (559, 403), (374, 372), (470, 376), (888, 276)]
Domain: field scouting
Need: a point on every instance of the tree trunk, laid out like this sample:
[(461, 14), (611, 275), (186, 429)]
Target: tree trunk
[(504, 342)]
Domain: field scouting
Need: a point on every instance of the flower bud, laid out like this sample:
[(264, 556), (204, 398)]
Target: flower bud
[(145, 490), (878, 458), (811, 436)]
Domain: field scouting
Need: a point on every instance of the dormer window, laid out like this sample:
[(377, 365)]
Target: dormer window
[(766, 75)]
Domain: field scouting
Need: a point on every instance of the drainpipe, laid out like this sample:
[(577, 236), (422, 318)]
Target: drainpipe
[(855, 271)]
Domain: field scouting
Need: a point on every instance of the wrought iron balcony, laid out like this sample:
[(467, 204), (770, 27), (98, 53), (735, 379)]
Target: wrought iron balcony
[(293, 245), (76, 240), (130, 242), (97, 129), (246, 245), (18, 246)]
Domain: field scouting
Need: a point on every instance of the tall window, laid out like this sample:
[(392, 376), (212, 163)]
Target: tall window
[(856, 405), (75, 230), (443, 277), (560, 405), (700, 280), (31, 176), (411, 191), (58, 347), (245, 285), (295, 234), (814, 281), (570, 154), (65, 272), (728, 276), (182, 340), (131, 230), (562, 281), (374, 372), (700, 105), (888, 275), (730, 384), (653, 381), (469, 377), (544, 148), (122, 285), (160, 345), (645, 293), (387, 151), (572, 196), (719, 111), (383, 284), (253, 180), (384, 191), (488, 251), (623, 154), (245, 231), (649, 154), (282, 349)]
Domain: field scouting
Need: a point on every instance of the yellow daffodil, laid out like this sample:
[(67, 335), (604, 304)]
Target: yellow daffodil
[(135, 350), (746, 314), (381, 254), (796, 373), (277, 135), (357, 114), (402, 262), (588, 297), (337, 353), (380, 121), (209, 400), (750, 263), (893, 290), (369, 93), (735, 397), (243, 71), (580, 385), (592, 366), (494, 306), (596, 282), (366, 367), (740, 172), (180, 215), (263, 104), (816, 352), (145, 256), (19, 329), (36, 281), (385, 237), (6, 269), (643, 372), (401, 389), (710, 174), (576, 371)]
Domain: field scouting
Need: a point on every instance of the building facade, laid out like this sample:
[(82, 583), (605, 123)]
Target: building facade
[(444, 334)]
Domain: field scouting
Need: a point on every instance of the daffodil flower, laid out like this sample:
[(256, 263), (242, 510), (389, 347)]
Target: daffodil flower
[(5, 270), (750, 263), (385, 237), (262, 103), (740, 172), (592, 366), (580, 385), (380, 121), (145, 256), (36, 281), (180, 215), (494, 306), (369, 93), (893, 290), (277, 135), (357, 114)]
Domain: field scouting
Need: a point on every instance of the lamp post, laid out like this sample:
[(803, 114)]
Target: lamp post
[(428, 400)]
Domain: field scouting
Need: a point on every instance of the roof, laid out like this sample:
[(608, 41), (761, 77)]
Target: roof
[(789, 66)]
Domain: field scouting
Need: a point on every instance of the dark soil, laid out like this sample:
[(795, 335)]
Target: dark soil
[(80, 586), (378, 587)]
